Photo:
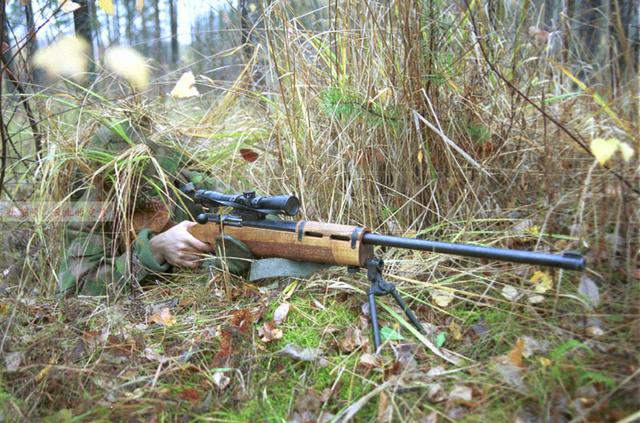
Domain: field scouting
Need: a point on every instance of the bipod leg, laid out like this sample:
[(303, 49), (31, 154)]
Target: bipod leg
[(412, 317), (374, 319), (381, 287)]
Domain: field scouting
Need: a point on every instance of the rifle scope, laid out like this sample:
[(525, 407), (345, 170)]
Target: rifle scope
[(280, 204)]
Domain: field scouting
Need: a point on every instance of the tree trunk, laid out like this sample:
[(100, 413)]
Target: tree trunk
[(144, 31), (173, 12), (157, 31), (115, 24), (130, 16), (82, 24)]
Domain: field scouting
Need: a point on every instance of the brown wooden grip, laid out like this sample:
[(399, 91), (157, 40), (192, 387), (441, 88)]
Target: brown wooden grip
[(312, 242)]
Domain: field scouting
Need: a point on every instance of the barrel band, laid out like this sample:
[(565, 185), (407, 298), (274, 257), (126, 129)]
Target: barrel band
[(300, 229)]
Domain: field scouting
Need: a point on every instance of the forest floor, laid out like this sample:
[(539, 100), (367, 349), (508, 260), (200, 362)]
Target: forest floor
[(559, 346)]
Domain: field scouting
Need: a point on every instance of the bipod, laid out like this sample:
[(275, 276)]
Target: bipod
[(381, 287)]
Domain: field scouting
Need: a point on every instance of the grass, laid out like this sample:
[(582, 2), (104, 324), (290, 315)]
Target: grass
[(339, 120)]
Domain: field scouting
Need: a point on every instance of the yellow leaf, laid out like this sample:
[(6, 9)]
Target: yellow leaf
[(545, 362), (139, 5), (129, 64), (627, 151), (542, 282), (604, 149), (107, 6), (163, 318), (64, 58), (185, 87), (442, 298), (456, 331), (68, 6), (420, 156), (515, 355)]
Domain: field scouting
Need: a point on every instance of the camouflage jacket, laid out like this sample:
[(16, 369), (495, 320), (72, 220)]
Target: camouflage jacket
[(99, 257)]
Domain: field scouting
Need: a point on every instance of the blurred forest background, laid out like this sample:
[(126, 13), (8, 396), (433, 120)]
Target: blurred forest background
[(499, 122)]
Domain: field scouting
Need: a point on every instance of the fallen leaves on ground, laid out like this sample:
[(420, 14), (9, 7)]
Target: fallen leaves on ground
[(370, 361), (352, 340), (13, 360), (304, 354), (510, 293), (221, 380), (269, 332), (542, 282), (280, 315), (163, 317), (442, 298)]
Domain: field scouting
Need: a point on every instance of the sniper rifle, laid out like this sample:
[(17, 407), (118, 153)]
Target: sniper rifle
[(334, 244)]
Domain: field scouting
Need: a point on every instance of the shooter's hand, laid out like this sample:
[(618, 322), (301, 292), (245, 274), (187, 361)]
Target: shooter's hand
[(178, 247)]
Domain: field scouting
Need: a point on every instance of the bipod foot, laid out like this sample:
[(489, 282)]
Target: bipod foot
[(379, 286)]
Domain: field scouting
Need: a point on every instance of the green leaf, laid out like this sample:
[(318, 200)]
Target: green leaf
[(441, 337), (389, 334)]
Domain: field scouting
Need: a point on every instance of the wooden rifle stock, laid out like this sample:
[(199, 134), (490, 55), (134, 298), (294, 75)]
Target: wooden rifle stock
[(302, 241)]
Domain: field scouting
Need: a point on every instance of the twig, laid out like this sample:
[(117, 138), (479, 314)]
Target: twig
[(574, 137), (3, 136)]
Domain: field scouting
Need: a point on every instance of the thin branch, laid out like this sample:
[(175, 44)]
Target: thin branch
[(576, 138)]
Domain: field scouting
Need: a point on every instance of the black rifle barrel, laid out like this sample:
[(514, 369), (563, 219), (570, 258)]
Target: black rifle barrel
[(568, 260)]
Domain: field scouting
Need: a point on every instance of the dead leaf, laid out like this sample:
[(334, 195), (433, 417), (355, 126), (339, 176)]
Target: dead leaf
[(532, 346), (139, 5), (221, 380), (107, 6), (542, 282), (248, 154), (405, 356), (13, 360), (460, 393), (370, 361), (153, 355), (280, 315), (164, 318), (510, 293), (456, 331), (535, 299), (435, 392), (303, 354), (511, 375), (269, 332), (185, 87), (352, 339), (191, 395), (242, 319), (515, 355), (68, 6), (442, 298)]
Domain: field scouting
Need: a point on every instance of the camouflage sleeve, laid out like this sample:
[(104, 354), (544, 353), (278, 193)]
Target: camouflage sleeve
[(88, 268)]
